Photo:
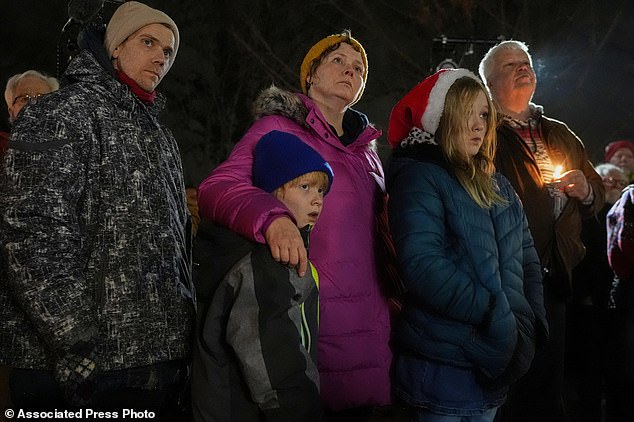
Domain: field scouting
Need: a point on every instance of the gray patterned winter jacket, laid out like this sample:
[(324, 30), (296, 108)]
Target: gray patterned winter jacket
[(93, 227)]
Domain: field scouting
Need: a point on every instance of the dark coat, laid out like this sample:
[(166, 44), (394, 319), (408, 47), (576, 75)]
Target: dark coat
[(593, 277), (94, 227), (558, 243)]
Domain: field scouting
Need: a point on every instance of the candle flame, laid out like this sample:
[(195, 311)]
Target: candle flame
[(557, 172)]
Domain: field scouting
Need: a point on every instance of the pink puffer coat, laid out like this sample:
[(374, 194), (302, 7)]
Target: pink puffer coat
[(354, 355)]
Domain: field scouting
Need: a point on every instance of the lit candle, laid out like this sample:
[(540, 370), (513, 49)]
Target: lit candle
[(558, 195), (557, 172)]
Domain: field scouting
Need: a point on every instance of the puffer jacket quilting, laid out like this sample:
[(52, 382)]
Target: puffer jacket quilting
[(453, 273)]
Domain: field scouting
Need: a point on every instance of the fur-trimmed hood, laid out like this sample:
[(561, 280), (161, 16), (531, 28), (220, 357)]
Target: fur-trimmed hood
[(274, 101)]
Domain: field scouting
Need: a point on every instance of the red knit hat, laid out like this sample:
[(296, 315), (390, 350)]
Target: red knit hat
[(419, 111), (613, 147)]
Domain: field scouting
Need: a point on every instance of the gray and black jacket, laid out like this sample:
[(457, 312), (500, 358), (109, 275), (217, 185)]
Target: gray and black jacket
[(255, 353), (93, 227)]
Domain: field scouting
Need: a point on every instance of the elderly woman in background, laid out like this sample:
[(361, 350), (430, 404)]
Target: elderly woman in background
[(621, 154), (354, 356)]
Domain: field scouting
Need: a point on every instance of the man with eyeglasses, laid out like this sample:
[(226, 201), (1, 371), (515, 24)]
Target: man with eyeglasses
[(25, 88), (98, 307), (22, 89)]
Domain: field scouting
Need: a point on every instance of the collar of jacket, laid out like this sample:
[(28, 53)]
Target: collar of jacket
[(305, 232), (426, 153), (299, 108), (536, 112)]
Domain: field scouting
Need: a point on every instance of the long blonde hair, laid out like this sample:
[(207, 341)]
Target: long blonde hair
[(474, 173)]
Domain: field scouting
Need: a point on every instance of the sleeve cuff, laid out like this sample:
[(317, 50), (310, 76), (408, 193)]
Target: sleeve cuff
[(589, 199)]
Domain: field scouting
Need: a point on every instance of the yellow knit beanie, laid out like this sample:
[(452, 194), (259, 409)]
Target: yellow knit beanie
[(317, 50)]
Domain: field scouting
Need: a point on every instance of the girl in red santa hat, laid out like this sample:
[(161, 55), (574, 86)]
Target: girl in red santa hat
[(474, 309)]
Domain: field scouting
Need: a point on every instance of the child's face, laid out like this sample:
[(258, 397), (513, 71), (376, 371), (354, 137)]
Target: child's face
[(476, 129), (304, 199)]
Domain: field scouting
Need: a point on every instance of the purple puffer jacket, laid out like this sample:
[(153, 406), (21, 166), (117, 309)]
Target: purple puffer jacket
[(354, 355)]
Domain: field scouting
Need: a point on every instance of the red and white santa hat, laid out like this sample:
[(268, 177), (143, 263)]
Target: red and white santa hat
[(416, 116)]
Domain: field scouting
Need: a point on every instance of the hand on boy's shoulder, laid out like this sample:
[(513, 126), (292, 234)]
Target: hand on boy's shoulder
[(286, 244)]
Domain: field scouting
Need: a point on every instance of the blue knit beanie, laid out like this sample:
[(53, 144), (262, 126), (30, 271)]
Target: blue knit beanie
[(281, 157)]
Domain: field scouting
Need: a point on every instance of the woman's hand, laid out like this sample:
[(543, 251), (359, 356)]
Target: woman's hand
[(286, 244)]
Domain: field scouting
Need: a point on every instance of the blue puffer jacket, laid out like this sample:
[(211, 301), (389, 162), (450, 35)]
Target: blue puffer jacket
[(473, 277)]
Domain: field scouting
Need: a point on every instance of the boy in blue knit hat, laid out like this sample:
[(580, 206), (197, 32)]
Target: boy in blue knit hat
[(255, 354)]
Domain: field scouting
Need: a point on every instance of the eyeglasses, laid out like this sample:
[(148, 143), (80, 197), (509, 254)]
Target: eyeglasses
[(26, 99), (615, 182)]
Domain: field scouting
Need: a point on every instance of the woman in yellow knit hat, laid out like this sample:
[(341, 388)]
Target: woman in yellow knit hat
[(354, 356)]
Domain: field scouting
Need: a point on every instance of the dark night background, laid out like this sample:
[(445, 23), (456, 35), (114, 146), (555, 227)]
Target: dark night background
[(231, 49)]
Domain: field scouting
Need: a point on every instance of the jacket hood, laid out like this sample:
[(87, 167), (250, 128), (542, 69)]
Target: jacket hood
[(422, 152), (274, 101), (425, 153), (91, 38), (90, 42)]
